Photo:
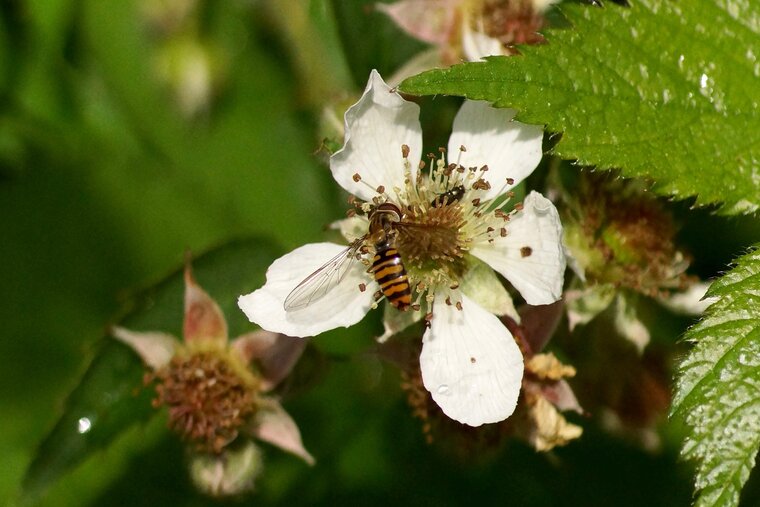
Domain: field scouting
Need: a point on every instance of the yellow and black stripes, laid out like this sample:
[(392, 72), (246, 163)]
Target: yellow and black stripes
[(390, 274)]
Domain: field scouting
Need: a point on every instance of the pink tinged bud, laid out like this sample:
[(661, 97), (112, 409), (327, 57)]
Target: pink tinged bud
[(273, 425), (204, 319)]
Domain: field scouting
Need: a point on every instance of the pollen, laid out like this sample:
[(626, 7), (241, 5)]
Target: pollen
[(207, 397), (433, 236)]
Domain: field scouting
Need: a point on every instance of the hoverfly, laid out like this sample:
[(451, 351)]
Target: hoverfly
[(387, 267)]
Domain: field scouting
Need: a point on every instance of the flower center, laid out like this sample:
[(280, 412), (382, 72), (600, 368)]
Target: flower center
[(432, 234), (207, 397)]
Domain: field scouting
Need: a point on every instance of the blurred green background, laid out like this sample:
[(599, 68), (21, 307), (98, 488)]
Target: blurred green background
[(132, 131)]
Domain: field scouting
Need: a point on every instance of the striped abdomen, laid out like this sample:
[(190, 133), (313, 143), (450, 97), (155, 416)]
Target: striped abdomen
[(390, 274)]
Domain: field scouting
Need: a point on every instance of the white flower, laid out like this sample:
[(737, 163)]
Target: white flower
[(451, 231)]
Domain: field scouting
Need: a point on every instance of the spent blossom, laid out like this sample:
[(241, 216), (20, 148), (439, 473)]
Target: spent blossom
[(470, 29), (450, 236), (216, 390)]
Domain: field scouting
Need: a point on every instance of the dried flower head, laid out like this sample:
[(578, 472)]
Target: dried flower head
[(216, 390)]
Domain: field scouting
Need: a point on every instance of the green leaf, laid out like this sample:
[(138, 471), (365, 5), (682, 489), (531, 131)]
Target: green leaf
[(718, 390), (111, 396), (663, 90)]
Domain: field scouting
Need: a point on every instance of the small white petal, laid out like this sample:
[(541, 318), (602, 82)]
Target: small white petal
[(395, 321), (351, 228), (476, 45), (471, 364), (343, 305), (274, 425), (509, 148), (530, 256), (690, 302), (585, 304), (628, 323), (481, 284), (376, 128), (276, 354), (155, 349), (431, 21)]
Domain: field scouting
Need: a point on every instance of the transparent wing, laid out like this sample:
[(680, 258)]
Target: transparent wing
[(323, 280)]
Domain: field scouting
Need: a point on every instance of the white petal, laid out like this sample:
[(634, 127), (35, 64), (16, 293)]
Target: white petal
[(476, 45), (155, 349), (509, 148), (531, 256), (471, 364), (344, 304), (376, 128)]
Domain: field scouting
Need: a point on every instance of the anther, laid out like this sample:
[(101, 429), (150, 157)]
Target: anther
[(404, 151), (510, 181), (462, 148), (380, 189), (519, 206), (503, 232), (484, 168), (362, 287), (526, 251), (459, 305), (481, 184), (448, 300), (357, 178)]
